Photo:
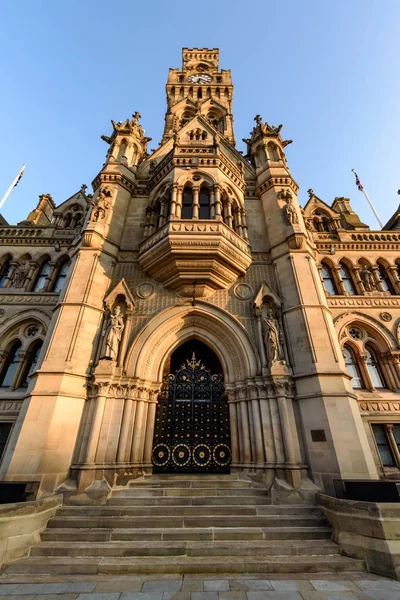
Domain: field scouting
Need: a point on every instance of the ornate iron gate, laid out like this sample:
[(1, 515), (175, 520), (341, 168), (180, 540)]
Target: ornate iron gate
[(191, 431)]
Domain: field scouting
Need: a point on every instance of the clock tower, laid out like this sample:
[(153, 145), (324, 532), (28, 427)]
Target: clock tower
[(199, 87)]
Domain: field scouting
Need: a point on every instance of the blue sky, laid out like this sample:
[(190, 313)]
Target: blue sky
[(327, 70)]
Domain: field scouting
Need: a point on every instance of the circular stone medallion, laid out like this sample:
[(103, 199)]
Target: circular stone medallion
[(385, 316), (243, 291), (145, 290)]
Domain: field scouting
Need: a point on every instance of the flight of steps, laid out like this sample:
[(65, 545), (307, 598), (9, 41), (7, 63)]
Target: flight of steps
[(186, 524)]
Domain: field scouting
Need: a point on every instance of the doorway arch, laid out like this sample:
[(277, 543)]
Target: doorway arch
[(192, 432)]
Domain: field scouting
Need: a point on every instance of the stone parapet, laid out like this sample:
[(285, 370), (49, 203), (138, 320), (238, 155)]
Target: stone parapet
[(21, 525), (366, 530)]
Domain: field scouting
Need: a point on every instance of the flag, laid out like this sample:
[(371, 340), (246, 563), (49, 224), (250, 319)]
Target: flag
[(358, 182), (19, 176)]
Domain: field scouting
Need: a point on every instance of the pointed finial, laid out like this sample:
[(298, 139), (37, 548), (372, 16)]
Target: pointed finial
[(310, 192), (258, 119)]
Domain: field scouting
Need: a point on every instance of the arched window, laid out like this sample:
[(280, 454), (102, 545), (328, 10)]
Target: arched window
[(325, 224), (4, 271), (347, 280), (374, 368), (352, 367), (41, 277), (328, 279), (60, 277), (204, 200), (187, 203), (385, 279), (31, 362), (11, 365)]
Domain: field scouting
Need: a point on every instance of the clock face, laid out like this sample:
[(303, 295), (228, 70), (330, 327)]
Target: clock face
[(200, 78)]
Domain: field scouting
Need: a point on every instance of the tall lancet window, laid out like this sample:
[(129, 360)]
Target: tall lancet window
[(204, 200), (187, 203)]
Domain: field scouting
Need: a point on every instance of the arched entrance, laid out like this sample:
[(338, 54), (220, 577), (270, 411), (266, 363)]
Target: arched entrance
[(191, 432)]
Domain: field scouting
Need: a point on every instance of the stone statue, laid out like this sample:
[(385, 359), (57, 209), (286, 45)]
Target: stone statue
[(113, 334), (101, 206), (20, 273), (367, 279), (273, 338), (290, 211)]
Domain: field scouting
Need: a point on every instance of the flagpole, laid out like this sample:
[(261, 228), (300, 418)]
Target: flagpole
[(14, 183), (368, 200)]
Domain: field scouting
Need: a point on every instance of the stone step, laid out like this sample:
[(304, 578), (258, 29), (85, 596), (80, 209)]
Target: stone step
[(188, 476), (189, 491), (186, 534), (156, 511), (182, 565), (259, 548), (129, 522), (190, 483), (187, 500), (186, 510)]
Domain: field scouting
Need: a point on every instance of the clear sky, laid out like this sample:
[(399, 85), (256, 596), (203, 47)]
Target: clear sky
[(329, 71)]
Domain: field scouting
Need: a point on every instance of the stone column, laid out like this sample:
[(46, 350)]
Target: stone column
[(122, 453), (229, 217), (239, 224), (163, 212), (97, 418), (258, 436), (172, 212), (218, 205), (50, 276), (212, 204), (339, 281), (268, 434), (33, 268), (139, 428), (233, 421), (196, 204), (377, 279), (151, 416), (286, 426), (245, 432), (179, 193), (394, 277), (244, 224), (146, 227)]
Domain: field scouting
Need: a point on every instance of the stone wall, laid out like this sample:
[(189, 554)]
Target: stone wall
[(21, 525), (366, 530)]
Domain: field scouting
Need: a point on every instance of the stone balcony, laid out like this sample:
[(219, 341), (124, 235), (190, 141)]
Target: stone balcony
[(186, 251)]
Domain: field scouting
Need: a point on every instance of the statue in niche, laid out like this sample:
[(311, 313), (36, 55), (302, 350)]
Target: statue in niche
[(367, 279), (273, 338), (20, 274), (113, 334), (290, 211), (101, 206)]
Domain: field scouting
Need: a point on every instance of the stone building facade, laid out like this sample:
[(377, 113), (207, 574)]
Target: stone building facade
[(286, 319)]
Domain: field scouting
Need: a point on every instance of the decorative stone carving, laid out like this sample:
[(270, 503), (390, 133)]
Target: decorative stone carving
[(367, 279), (101, 206), (273, 338), (20, 273), (385, 316), (289, 209), (145, 290), (243, 291), (113, 334)]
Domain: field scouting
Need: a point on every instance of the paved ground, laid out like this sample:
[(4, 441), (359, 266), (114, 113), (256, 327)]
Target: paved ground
[(343, 586)]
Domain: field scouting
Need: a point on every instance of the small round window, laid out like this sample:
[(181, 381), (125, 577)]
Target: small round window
[(355, 333), (31, 331)]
